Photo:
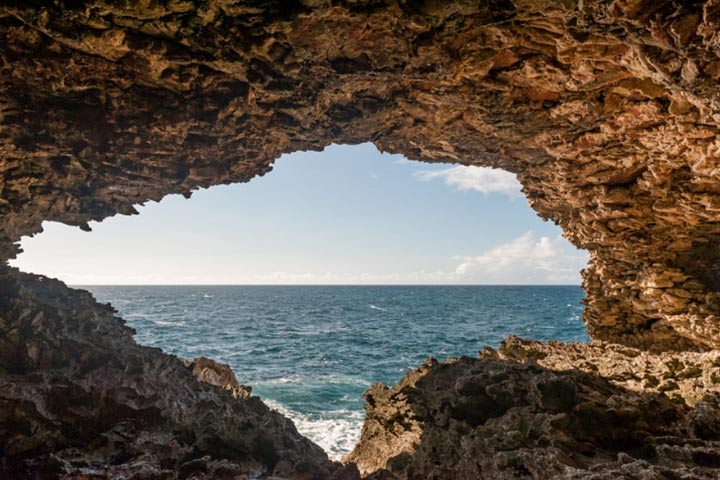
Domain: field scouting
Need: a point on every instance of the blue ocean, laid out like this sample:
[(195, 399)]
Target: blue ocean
[(311, 351)]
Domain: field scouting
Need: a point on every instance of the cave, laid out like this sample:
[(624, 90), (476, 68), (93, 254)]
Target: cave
[(605, 110)]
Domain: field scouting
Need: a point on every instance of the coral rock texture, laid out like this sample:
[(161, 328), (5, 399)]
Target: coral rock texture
[(481, 418), (606, 110), (685, 376), (218, 374)]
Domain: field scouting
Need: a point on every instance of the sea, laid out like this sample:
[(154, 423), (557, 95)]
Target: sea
[(311, 351)]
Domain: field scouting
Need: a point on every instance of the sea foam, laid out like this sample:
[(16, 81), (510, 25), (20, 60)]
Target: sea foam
[(336, 431)]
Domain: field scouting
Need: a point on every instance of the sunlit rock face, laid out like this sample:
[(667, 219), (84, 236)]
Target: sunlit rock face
[(606, 111), (481, 418)]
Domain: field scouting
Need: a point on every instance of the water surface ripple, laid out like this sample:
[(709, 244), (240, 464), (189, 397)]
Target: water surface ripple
[(311, 351)]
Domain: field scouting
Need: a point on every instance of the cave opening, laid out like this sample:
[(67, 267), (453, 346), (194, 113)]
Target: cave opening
[(607, 112), (336, 270)]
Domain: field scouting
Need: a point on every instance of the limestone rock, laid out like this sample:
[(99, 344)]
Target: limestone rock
[(218, 374), (495, 419), (687, 376), (606, 110)]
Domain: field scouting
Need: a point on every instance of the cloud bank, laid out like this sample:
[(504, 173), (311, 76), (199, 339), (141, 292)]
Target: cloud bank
[(480, 179), (525, 260)]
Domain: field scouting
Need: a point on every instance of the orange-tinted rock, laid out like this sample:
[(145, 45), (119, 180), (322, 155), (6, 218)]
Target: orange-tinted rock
[(607, 111), (218, 374), (693, 375)]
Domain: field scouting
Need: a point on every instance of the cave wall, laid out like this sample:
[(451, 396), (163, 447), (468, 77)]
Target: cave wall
[(606, 110)]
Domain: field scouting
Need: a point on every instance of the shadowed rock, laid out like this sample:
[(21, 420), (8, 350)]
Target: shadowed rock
[(490, 419), (606, 110), (79, 399)]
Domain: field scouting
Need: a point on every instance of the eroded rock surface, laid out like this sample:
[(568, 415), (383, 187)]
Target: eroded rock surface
[(218, 374), (490, 419), (79, 399), (606, 110), (687, 376)]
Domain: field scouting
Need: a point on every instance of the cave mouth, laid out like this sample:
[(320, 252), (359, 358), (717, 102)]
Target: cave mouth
[(607, 119), (310, 343)]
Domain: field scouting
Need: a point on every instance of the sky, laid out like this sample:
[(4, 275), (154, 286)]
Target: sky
[(347, 215)]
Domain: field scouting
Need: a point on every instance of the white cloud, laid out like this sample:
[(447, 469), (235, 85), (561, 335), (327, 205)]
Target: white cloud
[(524, 260), (480, 179), (528, 259)]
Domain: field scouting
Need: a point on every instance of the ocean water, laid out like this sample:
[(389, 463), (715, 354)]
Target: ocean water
[(311, 351)]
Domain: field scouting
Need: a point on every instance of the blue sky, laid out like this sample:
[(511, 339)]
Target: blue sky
[(347, 215)]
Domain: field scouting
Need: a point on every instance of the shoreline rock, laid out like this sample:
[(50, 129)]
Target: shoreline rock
[(686, 376), (80, 399), (501, 419), (218, 374), (606, 110)]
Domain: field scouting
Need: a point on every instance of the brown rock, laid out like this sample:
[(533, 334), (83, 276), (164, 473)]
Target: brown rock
[(694, 375), (490, 419), (606, 110), (218, 374), (607, 117)]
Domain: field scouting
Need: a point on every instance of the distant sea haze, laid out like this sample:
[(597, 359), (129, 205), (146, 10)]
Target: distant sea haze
[(311, 351)]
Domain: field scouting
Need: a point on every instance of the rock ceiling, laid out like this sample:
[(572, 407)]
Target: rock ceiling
[(607, 111)]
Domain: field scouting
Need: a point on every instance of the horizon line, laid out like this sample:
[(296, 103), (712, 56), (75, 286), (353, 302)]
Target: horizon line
[(324, 285)]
